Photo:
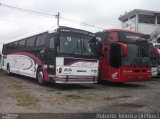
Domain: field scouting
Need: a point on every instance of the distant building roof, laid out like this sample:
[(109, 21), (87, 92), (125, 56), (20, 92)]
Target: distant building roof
[(139, 11)]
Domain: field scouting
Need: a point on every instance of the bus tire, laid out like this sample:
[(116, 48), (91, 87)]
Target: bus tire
[(8, 70), (40, 77)]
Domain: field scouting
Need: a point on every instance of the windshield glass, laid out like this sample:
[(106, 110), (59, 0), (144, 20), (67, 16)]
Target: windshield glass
[(86, 45), (70, 44), (75, 44), (137, 55)]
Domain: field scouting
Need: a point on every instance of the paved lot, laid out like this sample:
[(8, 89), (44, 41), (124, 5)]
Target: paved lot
[(24, 95)]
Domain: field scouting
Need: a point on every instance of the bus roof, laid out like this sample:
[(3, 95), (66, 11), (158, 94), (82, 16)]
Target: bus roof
[(27, 36), (74, 30), (61, 28)]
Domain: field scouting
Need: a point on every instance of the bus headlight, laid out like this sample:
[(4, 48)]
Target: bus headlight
[(148, 70), (127, 71)]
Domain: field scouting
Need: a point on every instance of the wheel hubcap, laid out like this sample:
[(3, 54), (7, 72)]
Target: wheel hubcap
[(40, 76)]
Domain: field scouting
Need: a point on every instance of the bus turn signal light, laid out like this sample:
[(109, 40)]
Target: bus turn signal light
[(127, 71)]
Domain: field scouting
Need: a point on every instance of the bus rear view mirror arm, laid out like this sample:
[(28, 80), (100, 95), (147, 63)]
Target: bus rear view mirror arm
[(124, 49)]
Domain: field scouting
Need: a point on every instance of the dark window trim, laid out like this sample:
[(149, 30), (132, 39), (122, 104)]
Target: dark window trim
[(147, 19)]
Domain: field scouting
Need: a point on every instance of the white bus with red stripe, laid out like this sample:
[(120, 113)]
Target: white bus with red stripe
[(63, 56)]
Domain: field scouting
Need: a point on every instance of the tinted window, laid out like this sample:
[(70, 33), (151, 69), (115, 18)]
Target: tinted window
[(30, 41), (146, 19), (4, 50), (131, 58), (86, 45), (41, 39), (22, 43), (137, 55), (115, 55), (9, 46), (70, 44), (15, 44), (51, 42)]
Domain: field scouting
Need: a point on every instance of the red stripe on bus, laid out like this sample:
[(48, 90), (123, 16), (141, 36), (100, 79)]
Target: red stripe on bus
[(36, 59)]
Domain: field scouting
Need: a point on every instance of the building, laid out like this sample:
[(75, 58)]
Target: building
[(144, 21)]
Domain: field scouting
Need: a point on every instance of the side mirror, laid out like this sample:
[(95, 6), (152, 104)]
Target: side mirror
[(124, 49)]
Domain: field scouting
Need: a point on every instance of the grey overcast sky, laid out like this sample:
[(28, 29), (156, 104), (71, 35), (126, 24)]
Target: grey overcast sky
[(103, 13)]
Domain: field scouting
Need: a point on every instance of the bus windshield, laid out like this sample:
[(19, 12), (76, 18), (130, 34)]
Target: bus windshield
[(75, 44), (137, 55)]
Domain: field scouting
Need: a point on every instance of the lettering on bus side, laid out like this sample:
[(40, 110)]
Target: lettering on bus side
[(81, 71)]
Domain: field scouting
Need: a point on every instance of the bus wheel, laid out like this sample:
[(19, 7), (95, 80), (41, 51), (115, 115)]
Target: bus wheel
[(40, 77), (8, 70)]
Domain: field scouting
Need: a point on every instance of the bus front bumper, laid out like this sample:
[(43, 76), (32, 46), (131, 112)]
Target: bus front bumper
[(73, 79), (133, 77)]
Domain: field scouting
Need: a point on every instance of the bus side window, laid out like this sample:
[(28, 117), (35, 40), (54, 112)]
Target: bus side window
[(22, 43), (41, 39), (9, 46), (30, 41), (4, 49), (15, 45), (52, 43), (38, 41)]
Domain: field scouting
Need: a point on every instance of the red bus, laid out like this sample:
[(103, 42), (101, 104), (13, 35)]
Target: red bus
[(124, 56)]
